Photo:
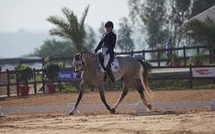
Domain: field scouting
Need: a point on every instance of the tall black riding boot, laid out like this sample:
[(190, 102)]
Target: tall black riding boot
[(110, 73)]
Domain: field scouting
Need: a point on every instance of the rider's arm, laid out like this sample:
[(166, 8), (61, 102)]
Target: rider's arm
[(100, 43), (99, 46)]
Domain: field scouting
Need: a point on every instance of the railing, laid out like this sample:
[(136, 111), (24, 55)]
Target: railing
[(8, 78), (187, 74), (159, 53), (157, 59)]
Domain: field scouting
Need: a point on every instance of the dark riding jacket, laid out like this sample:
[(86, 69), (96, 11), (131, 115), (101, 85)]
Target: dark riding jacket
[(108, 41)]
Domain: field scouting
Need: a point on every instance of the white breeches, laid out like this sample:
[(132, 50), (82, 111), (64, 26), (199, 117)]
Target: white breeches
[(106, 59), (106, 56)]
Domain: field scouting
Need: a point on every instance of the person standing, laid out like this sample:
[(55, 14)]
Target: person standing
[(169, 51), (107, 45)]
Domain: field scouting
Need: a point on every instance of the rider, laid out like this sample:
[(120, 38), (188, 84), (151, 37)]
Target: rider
[(107, 45)]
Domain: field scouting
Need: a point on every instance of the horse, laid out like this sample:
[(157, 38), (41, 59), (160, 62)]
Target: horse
[(130, 71)]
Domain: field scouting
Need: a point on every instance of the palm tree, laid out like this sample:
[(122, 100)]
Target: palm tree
[(70, 28)]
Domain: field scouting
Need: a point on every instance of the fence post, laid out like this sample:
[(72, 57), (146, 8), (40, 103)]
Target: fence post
[(35, 83), (191, 77), (132, 53), (60, 86), (143, 53), (64, 62), (43, 79), (17, 84), (197, 49), (43, 62), (185, 60), (8, 83), (210, 54), (158, 58)]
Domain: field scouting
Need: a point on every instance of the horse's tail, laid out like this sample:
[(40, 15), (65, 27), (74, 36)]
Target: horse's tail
[(144, 70)]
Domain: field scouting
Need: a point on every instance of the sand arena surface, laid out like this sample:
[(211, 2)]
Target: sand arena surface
[(157, 121)]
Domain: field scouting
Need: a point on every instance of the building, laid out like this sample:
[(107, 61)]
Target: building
[(202, 16), (11, 63)]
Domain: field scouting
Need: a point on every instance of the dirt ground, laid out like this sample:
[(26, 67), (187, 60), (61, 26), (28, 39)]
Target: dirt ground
[(156, 121)]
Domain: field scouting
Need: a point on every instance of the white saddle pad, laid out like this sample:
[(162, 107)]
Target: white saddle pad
[(114, 65)]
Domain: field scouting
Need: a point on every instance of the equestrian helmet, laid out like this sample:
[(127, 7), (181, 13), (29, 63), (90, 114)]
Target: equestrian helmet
[(109, 24)]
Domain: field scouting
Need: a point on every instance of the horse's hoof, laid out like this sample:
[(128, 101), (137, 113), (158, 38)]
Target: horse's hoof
[(149, 106), (112, 110), (71, 113)]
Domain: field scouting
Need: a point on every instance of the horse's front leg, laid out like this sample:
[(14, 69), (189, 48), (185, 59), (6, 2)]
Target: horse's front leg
[(81, 93), (123, 94), (102, 95)]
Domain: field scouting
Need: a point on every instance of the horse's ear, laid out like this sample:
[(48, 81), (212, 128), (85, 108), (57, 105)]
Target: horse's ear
[(78, 56)]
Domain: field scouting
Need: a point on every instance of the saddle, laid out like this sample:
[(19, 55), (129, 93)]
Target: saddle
[(114, 64)]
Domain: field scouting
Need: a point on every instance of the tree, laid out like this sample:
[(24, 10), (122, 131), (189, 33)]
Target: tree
[(70, 28), (202, 32), (54, 48), (180, 12), (152, 15), (101, 29), (125, 42), (90, 38), (201, 5)]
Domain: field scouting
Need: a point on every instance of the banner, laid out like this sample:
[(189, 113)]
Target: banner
[(203, 72), (67, 75)]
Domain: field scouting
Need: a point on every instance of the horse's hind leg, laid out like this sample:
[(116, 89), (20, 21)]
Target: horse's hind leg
[(140, 89)]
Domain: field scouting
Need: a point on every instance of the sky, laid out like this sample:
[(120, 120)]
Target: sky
[(31, 15), (25, 16)]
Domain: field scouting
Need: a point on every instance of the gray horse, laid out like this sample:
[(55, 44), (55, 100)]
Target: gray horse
[(130, 70)]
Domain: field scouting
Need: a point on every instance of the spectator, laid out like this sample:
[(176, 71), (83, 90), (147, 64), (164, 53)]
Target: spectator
[(169, 52)]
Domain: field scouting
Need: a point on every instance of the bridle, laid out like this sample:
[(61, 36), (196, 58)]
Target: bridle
[(78, 58)]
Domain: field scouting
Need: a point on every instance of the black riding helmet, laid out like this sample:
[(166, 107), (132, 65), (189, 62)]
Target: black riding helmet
[(109, 24)]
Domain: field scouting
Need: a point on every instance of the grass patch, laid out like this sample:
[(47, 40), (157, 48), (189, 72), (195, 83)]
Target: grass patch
[(69, 87)]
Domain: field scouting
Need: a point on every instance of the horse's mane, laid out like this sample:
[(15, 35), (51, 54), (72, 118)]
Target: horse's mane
[(88, 55)]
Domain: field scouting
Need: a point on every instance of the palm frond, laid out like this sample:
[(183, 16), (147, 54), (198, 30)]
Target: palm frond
[(69, 27)]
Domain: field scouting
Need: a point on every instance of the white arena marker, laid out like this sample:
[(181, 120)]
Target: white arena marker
[(1, 112), (69, 107), (140, 107), (213, 104)]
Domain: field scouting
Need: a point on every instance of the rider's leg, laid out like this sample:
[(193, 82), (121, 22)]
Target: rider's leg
[(107, 64), (109, 72)]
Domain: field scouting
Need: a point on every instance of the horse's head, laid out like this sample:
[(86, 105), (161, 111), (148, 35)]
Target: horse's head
[(83, 59), (78, 62)]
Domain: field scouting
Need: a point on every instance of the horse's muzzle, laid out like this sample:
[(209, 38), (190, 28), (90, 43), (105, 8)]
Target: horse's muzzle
[(77, 71)]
